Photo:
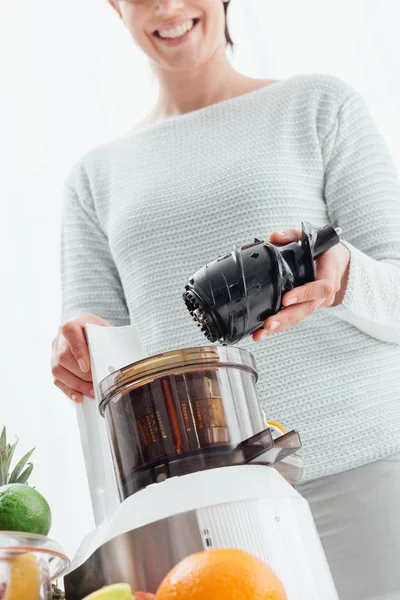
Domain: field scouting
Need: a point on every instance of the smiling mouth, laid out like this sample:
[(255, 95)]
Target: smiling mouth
[(176, 33)]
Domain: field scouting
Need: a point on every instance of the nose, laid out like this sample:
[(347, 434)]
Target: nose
[(166, 7)]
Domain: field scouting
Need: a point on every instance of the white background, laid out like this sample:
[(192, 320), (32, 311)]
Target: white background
[(70, 78)]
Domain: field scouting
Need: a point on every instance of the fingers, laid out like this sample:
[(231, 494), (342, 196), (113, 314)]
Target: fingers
[(317, 290), (72, 381), (327, 284), (70, 360), (64, 357), (288, 317), (74, 396), (285, 237), (329, 270), (73, 331), (300, 302)]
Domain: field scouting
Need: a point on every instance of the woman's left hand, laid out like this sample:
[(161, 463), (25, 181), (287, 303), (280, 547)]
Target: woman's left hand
[(332, 269)]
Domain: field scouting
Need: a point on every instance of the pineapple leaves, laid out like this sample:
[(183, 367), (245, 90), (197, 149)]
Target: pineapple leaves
[(3, 438), (22, 470), (5, 466), (19, 467), (10, 451), (3, 472), (23, 478), (3, 457)]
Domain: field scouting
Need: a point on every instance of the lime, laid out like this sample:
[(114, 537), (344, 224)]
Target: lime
[(23, 509), (120, 591)]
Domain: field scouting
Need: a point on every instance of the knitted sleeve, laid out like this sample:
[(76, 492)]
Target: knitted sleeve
[(89, 277), (362, 194)]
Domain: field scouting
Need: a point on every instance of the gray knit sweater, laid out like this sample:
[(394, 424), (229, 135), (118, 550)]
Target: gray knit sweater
[(144, 212)]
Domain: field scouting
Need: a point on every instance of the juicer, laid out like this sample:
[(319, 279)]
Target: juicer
[(180, 459)]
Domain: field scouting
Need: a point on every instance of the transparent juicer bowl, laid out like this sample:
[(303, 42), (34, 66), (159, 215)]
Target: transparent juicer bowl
[(180, 412), (28, 565)]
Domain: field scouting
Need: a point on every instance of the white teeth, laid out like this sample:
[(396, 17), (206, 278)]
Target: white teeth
[(176, 32)]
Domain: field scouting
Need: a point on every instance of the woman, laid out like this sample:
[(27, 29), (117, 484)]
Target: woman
[(224, 158)]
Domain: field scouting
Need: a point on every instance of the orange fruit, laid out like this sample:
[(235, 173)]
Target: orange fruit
[(223, 574), (24, 578)]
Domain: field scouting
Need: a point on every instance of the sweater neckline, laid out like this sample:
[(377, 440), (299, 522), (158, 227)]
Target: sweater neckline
[(205, 110)]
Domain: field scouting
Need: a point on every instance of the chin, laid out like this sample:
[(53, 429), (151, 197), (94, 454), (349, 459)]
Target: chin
[(180, 63)]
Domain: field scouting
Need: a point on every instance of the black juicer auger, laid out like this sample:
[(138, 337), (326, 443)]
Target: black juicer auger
[(232, 296)]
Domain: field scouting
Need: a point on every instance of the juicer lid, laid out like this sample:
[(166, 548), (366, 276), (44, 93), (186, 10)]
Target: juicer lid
[(175, 361)]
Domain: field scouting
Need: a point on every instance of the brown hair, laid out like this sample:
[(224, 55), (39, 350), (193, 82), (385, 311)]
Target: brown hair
[(227, 34)]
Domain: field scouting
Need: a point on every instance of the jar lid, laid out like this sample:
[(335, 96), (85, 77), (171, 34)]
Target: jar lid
[(175, 362)]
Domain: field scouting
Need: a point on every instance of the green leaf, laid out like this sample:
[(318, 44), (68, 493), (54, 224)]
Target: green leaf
[(18, 469), (3, 473), (10, 453), (23, 478), (3, 438), (3, 457)]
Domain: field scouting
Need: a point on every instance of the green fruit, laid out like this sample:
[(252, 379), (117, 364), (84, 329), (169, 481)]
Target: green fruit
[(23, 509), (120, 591)]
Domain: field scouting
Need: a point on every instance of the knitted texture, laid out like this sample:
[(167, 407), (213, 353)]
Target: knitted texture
[(143, 213)]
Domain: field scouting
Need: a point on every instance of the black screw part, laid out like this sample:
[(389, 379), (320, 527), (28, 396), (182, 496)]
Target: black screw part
[(230, 297)]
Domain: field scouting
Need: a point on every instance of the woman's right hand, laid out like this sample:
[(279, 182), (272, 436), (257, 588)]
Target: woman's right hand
[(70, 361)]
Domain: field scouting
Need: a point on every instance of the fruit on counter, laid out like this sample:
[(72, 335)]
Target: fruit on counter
[(119, 591), (23, 468), (222, 574), (24, 578), (22, 508)]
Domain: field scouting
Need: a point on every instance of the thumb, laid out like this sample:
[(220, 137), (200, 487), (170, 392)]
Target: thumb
[(285, 237)]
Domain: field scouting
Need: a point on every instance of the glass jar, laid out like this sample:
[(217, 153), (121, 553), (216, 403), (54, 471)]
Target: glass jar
[(28, 564)]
